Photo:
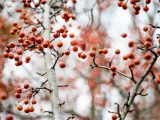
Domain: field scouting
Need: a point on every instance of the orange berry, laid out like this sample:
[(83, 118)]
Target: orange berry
[(27, 110), (83, 55), (71, 35), (34, 101), (73, 42), (26, 101), (60, 44), (147, 56), (31, 109), (19, 107), (27, 60), (51, 46), (104, 51), (67, 52)]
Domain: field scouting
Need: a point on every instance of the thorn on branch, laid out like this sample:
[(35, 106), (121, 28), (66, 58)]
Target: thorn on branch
[(141, 93), (41, 74), (132, 75), (118, 111), (63, 85), (72, 117), (158, 27), (43, 83), (45, 88), (60, 104), (131, 111), (126, 103), (48, 112)]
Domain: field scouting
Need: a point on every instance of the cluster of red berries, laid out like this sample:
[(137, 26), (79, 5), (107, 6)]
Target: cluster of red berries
[(113, 69), (27, 3), (147, 43), (66, 16), (135, 4), (9, 53), (15, 28), (63, 31), (26, 99)]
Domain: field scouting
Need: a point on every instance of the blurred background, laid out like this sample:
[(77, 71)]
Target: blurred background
[(90, 93)]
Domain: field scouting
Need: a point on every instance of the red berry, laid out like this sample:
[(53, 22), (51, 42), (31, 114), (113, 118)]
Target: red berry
[(6, 55), (31, 109), (113, 68), (9, 117), (145, 29), (34, 101), (27, 60), (43, 1), (92, 54), (124, 35), (21, 34), (51, 46), (147, 56), (60, 44), (71, 35), (26, 85), (73, 42), (104, 51), (83, 55), (146, 8), (34, 29), (67, 52), (148, 1), (62, 65), (56, 35), (19, 52), (26, 101), (17, 95), (27, 110), (120, 3), (117, 52), (131, 43), (114, 117), (3, 96), (75, 48), (11, 56), (19, 90)]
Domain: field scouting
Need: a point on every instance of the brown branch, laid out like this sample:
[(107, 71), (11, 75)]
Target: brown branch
[(108, 68), (137, 86)]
